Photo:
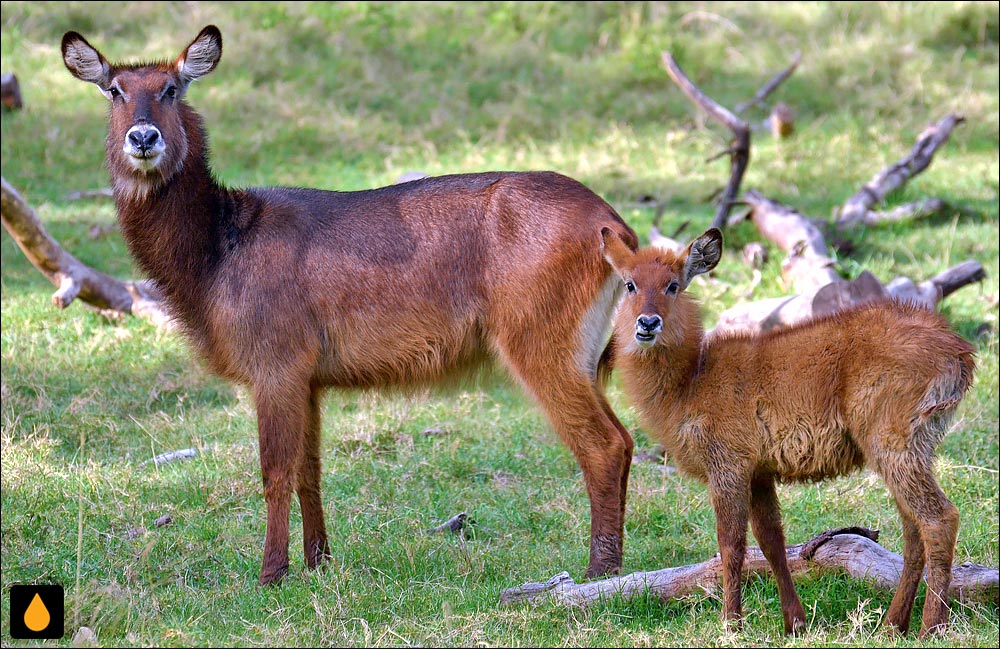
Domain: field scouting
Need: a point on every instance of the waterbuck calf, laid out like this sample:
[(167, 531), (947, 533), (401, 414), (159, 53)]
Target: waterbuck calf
[(290, 291), (873, 386)]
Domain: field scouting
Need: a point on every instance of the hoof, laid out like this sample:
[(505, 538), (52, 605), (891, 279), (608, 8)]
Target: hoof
[(272, 577), (318, 555), (797, 628)]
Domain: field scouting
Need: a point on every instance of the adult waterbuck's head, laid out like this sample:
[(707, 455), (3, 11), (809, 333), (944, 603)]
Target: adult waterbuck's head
[(147, 135), (655, 280)]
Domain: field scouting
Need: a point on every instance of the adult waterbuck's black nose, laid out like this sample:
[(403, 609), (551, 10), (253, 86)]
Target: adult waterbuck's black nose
[(143, 137)]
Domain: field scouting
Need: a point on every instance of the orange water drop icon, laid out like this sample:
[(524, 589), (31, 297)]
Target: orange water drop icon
[(37, 616)]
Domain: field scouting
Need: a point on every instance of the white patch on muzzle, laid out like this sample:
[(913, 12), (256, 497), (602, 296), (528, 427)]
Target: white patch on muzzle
[(148, 159)]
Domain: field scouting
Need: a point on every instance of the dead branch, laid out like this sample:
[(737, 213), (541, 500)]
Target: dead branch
[(173, 456), (739, 149), (895, 176), (454, 525), (908, 212), (72, 277), (770, 86), (847, 551)]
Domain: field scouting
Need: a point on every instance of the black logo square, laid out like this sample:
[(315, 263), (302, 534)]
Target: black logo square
[(36, 611)]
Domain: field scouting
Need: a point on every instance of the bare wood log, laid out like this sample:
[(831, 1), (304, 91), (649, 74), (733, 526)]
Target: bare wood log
[(72, 277), (755, 255), (739, 148), (858, 555), (770, 86), (897, 175), (10, 92), (808, 265), (771, 314)]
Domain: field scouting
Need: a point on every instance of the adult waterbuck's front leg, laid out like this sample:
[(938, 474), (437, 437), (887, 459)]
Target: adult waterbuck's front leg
[(314, 539), (283, 417)]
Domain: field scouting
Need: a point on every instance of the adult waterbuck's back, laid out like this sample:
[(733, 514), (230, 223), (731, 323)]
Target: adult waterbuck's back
[(291, 291)]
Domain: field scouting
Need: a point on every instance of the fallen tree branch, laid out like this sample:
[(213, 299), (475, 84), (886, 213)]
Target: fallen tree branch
[(739, 149), (72, 277), (907, 212), (454, 525), (859, 555), (895, 176)]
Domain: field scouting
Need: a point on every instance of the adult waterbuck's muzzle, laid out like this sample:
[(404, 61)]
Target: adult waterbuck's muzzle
[(144, 145)]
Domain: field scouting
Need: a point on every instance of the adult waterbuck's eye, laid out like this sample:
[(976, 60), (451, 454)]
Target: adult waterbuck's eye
[(629, 286), (672, 288)]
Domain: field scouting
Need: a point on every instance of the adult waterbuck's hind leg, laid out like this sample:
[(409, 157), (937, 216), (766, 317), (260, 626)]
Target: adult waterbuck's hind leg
[(629, 448), (765, 519), (604, 455), (314, 539), (576, 410)]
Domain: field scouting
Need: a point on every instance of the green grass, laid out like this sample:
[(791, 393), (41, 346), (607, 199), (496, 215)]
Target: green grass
[(351, 95)]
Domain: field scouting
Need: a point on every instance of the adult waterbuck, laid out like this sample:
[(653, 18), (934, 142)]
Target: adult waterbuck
[(291, 291)]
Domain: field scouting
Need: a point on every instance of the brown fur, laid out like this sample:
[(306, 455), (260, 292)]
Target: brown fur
[(291, 291), (872, 386)]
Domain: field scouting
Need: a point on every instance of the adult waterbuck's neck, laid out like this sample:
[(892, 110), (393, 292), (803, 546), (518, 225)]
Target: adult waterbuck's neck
[(173, 214)]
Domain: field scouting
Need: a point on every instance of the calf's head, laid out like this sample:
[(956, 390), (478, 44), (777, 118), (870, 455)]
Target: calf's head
[(654, 284)]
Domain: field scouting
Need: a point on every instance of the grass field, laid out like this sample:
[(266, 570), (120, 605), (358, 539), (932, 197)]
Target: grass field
[(350, 95)]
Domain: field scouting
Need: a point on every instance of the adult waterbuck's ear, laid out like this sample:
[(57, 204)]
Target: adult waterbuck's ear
[(84, 62), (201, 56), (615, 250), (703, 254)]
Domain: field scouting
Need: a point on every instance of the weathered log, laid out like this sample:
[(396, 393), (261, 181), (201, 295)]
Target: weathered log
[(857, 554), (755, 255), (739, 148), (896, 175), (770, 314), (72, 277), (808, 265)]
